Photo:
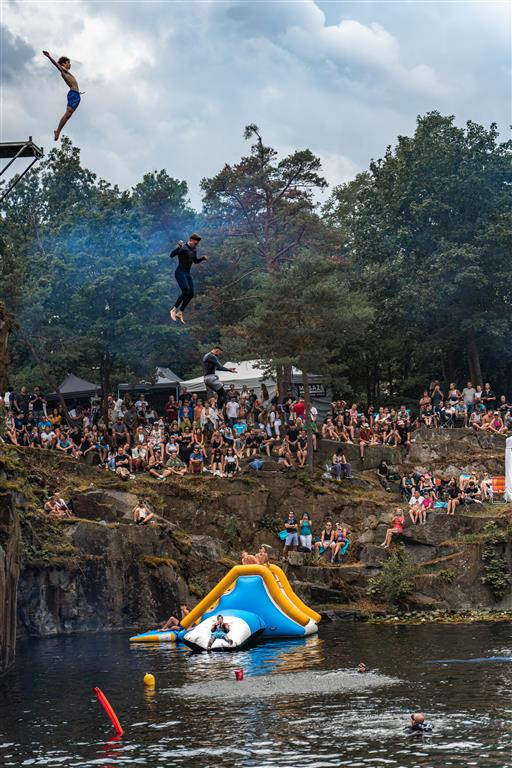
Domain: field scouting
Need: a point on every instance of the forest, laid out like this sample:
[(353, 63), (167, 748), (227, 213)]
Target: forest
[(397, 278)]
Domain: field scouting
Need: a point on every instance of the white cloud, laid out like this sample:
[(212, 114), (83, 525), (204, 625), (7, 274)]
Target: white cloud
[(173, 84)]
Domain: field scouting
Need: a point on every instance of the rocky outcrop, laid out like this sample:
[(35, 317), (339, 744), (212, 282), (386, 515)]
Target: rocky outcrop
[(101, 572), (9, 573)]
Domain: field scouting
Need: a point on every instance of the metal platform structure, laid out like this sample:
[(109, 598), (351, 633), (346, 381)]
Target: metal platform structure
[(13, 150)]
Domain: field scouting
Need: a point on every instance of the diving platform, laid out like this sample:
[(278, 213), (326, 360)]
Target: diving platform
[(14, 150)]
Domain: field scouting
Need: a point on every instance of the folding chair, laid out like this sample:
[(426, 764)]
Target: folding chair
[(498, 489)]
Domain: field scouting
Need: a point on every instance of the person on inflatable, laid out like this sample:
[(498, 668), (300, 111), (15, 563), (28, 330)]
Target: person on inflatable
[(173, 624), (186, 253), (219, 631)]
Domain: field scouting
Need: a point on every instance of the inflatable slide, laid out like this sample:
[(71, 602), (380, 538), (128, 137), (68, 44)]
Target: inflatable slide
[(254, 601)]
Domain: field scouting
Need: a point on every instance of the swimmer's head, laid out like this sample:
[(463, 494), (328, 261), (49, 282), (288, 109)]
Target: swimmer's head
[(418, 717)]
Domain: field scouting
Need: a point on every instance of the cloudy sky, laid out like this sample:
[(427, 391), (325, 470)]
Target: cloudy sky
[(172, 84)]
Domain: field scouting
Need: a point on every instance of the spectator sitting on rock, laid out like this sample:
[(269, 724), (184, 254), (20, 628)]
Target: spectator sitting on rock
[(416, 507), (341, 466), (472, 494), (455, 496), (284, 454), (497, 426), (366, 437), (141, 513), (302, 448), (57, 507), (174, 466), (231, 463), (196, 460), (291, 526), (155, 461), (325, 540), (397, 527), (339, 543), (486, 489)]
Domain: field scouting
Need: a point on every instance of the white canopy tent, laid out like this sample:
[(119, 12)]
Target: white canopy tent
[(508, 469), (251, 375)]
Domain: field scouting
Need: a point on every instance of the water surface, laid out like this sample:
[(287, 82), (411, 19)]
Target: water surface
[(300, 703)]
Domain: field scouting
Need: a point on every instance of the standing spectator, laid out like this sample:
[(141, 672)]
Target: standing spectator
[(232, 411), (489, 397), (468, 396), (306, 532), (291, 526), (38, 405)]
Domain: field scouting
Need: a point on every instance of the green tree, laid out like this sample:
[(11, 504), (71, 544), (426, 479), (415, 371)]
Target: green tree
[(306, 315), (427, 227)]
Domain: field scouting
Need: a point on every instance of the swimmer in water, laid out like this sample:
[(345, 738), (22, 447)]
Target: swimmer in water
[(64, 67), (419, 724), (361, 667)]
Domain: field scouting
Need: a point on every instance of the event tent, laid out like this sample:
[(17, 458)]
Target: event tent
[(75, 388)]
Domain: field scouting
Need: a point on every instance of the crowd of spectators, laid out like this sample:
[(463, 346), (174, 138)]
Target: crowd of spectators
[(190, 436)]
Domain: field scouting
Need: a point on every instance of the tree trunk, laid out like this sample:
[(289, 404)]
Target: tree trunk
[(105, 385), (307, 412), (6, 322), (475, 373)]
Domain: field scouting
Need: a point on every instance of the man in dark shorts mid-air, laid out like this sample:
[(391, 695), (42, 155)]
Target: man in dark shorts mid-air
[(64, 67), (212, 364)]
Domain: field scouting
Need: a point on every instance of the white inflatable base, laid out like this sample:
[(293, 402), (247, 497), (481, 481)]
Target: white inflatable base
[(199, 636)]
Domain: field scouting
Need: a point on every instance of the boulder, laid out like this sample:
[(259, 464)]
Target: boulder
[(367, 537), (207, 547), (104, 504), (373, 555), (297, 558)]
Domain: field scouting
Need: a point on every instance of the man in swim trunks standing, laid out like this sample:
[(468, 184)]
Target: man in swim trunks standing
[(212, 364), (64, 67)]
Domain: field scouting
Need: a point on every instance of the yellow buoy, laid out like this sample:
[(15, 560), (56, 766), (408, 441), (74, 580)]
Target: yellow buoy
[(149, 680)]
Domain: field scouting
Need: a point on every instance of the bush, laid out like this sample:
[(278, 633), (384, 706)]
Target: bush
[(396, 580)]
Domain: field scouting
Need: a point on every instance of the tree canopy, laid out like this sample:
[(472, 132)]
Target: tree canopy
[(403, 277)]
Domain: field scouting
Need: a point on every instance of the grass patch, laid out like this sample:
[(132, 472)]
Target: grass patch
[(156, 562)]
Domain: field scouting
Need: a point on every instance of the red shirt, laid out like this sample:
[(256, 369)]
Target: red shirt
[(299, 410)]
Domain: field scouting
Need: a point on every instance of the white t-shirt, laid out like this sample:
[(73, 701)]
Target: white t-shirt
[(232, 409), (414, 501)]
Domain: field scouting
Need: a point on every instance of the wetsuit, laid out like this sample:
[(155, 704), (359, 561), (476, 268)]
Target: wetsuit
[(186, 257), (212, 364)]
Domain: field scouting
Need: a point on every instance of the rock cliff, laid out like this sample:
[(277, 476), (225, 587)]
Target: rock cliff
[(98, 571)]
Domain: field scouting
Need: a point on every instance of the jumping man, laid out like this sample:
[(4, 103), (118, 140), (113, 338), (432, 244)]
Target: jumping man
[(212, 364), (186, 257), (64, 67)]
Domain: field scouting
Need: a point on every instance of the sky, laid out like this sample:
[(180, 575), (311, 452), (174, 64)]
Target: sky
[(173, 84)]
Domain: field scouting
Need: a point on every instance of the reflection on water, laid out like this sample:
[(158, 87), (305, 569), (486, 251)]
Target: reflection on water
[(50, 717)]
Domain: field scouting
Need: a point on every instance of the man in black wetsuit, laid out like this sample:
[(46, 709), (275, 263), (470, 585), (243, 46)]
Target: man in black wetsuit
[(212, 364), (419, 724), (187, 256)]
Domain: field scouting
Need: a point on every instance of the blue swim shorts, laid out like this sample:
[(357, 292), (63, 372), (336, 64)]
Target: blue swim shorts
[(73, 99)]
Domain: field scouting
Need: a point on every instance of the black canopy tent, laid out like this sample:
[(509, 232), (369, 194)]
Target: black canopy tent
[(73, 388)]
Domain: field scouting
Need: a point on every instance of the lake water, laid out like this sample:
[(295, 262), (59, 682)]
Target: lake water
[(299, 705)]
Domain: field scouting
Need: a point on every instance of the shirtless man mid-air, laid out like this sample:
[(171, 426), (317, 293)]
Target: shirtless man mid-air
[(64, 67)]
